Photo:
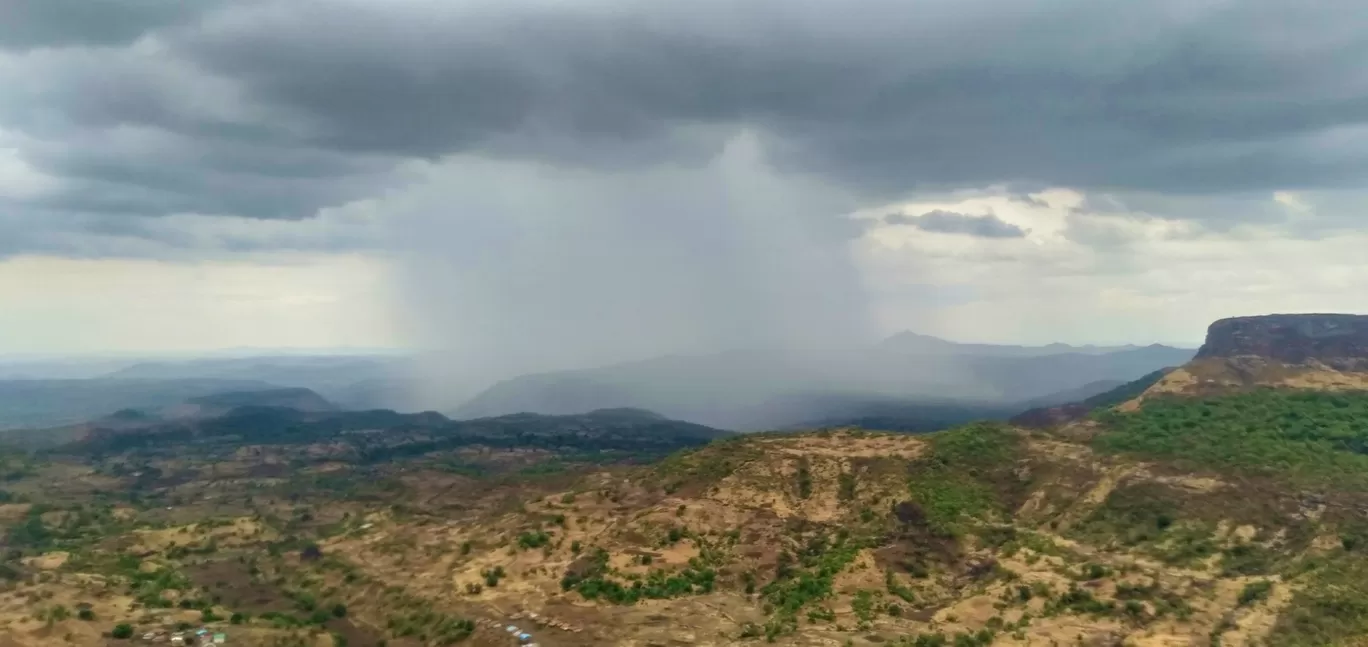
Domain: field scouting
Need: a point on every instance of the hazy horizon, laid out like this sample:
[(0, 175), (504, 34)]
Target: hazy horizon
[(399, 351)]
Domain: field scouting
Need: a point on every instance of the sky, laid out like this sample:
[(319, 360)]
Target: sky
[(534, 184)]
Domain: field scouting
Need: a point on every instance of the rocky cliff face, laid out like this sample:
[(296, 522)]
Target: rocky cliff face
[(1335, 340)]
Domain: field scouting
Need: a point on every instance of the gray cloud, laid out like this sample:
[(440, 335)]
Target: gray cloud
[(949, 222), (880, 97), (1028, 200), (1156, 95), (27, 24), (560, 182)]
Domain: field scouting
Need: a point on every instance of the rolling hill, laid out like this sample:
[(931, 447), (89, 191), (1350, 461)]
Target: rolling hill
[(1217, 503), (50, 403)]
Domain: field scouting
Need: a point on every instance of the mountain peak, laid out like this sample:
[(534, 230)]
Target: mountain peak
[(1327, 352), (1336, 340)]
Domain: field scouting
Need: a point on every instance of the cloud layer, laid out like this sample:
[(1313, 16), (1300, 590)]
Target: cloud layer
[(950, 222), (539, 168), (273, 110)]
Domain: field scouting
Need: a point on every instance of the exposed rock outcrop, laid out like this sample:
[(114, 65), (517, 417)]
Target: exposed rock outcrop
[(1339, 341), (1300, 351)]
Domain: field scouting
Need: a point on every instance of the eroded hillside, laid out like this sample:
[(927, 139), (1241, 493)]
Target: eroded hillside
[(978, 536), (1202, 512)]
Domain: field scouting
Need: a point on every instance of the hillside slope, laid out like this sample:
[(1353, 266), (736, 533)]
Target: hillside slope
[(1221, 516)]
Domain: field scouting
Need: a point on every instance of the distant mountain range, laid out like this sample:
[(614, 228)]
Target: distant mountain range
[(50, 403), (915, 379), (911, 342), (222, 424), (909, 381)]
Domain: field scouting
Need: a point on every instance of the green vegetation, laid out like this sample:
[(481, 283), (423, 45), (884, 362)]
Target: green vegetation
[(845, 487), (1331, 608), (147, 586), (1079, 602), (710, 464), (593, 581), (534, 539), (1163, 602), (492, 576), (1310, 437), (863, 606), (1133, 514), (959, 477), (981, 638), (429, 626), (805, 579), (896, 588), (1255, 592), (1125, 392), (122, 631), (1247, 559), (804, 478)]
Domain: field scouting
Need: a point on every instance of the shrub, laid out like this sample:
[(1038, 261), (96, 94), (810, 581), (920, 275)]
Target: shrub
[(804, 479), (534, 539), (1255, 592), (122, 631), (846, 486)]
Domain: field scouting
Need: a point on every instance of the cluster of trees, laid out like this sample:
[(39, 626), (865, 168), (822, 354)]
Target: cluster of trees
[(409, 435), (591, 579), (1309, 436)]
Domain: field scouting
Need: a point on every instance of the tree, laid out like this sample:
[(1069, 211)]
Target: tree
[(339, 610), (122, 631), (310, 552)]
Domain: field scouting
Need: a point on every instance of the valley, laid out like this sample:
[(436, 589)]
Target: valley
[(1207, 505)]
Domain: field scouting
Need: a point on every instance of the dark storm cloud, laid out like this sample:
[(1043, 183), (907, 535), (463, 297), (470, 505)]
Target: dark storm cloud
[(274, 109), (1171, 96), (949, 222)]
